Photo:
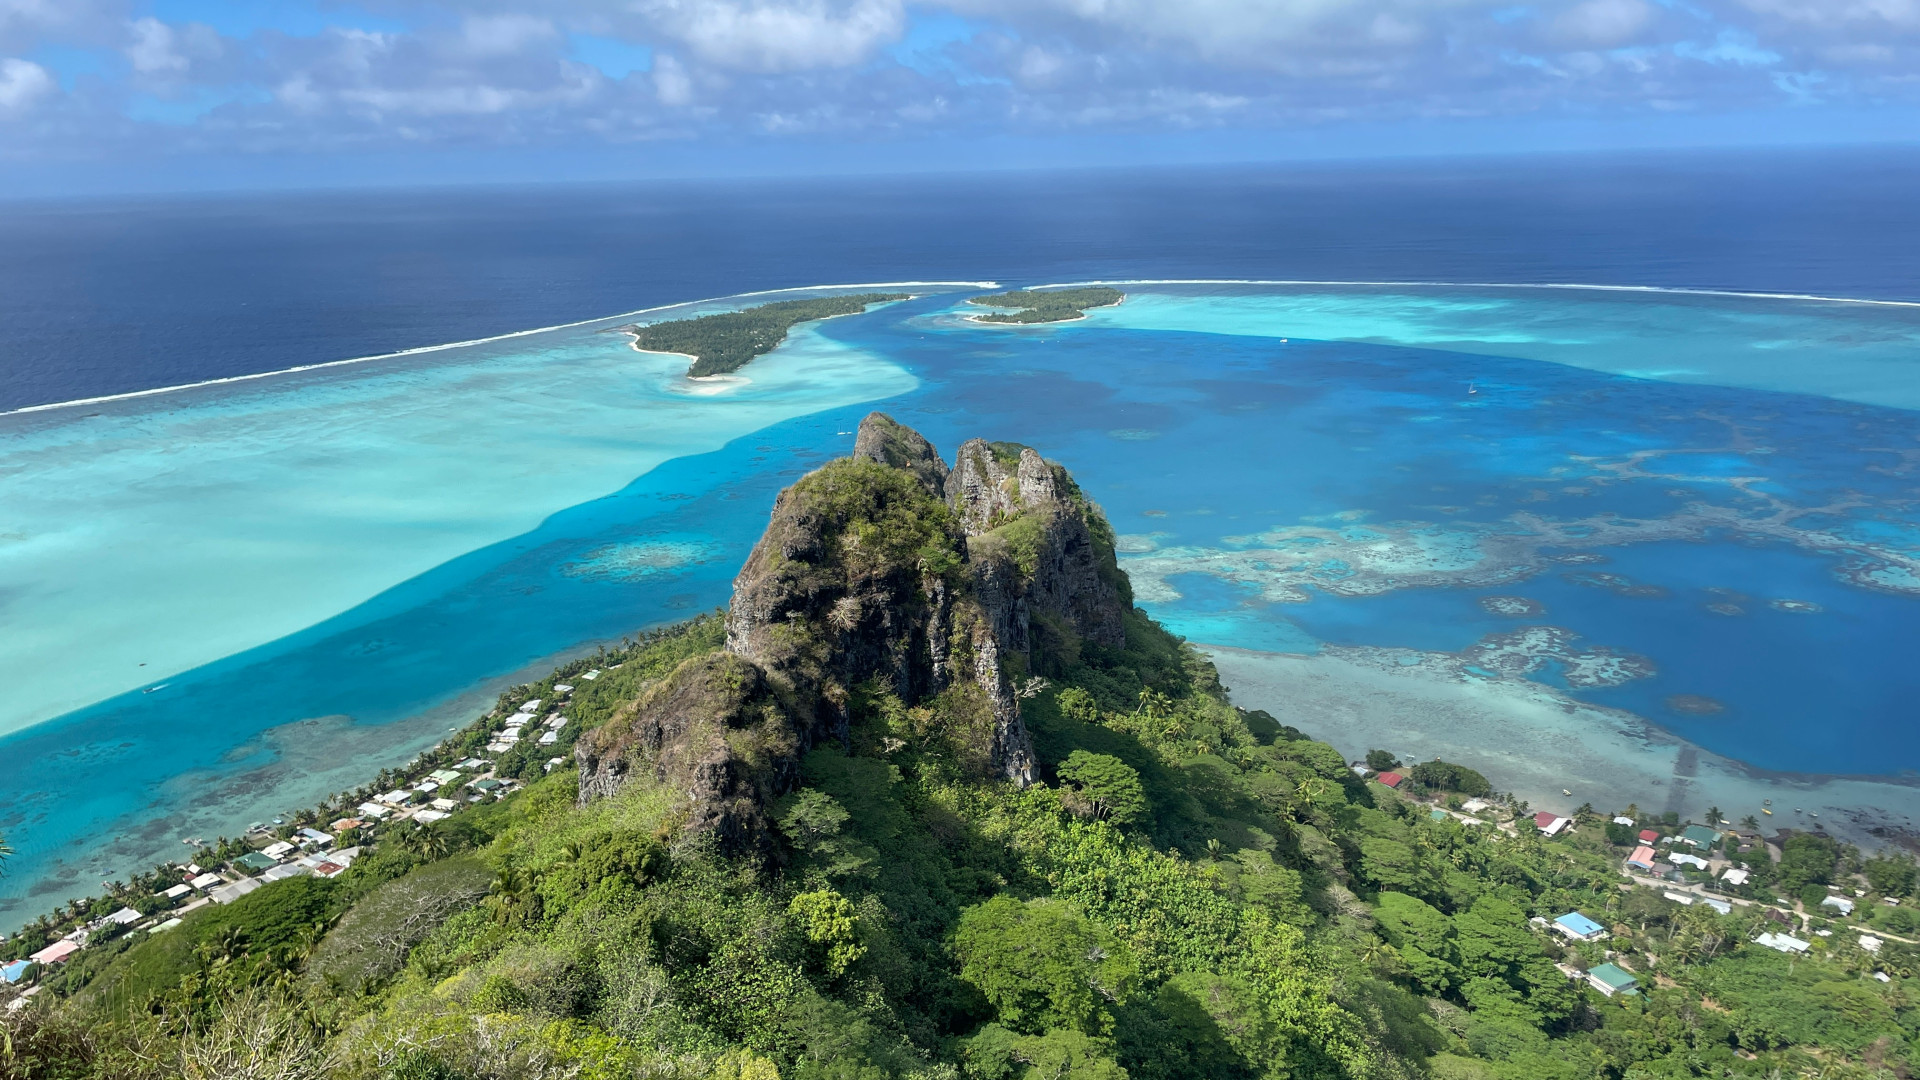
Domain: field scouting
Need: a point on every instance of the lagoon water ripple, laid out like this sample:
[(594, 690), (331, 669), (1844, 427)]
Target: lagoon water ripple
[(1697, 511)]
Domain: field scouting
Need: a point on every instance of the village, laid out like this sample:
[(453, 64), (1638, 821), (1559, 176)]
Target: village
[(1714, 867), (322, 842)]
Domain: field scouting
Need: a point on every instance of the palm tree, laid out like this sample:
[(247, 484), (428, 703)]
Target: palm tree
[(1713, 815), (1751, 823)]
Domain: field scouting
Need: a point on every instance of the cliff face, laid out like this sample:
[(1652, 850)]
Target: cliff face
[(888, 569)]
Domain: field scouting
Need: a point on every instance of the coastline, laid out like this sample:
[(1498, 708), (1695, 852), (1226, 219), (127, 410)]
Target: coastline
[(1082, 317), (1571, 285), (422, 349), (1535, 741)]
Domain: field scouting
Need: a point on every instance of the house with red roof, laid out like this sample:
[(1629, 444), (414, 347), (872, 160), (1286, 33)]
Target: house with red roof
[(1391, 779), (1550, 823), (1648, 836)]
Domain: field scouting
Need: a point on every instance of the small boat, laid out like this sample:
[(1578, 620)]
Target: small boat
[(1564, 791), (151, 689), (1471, 389), (1766, 811)]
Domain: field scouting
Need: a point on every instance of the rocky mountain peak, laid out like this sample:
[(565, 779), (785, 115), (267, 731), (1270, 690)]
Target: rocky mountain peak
[(884, 570)]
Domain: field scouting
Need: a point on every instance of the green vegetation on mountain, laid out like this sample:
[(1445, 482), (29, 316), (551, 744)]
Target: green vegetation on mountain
[(793, 848), (1047, 305), (729, 341)]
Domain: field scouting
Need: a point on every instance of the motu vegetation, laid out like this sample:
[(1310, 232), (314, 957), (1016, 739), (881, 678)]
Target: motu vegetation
[(728, 342), (1051, 305), (1190, 892)]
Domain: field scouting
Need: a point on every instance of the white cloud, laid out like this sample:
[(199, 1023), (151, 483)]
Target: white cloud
[(22, 83), (1603, 24), (503, 35), (670, 82), (760, 36)]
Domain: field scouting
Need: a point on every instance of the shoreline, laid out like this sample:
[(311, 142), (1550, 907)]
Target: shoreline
[(1536, 741), (1564, 285), (298, 369), (1082, 317), (141, 840)]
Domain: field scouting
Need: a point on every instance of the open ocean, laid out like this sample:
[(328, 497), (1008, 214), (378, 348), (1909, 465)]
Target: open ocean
[(230, 600)]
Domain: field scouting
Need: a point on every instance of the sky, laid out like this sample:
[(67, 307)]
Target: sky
[(135, 94)]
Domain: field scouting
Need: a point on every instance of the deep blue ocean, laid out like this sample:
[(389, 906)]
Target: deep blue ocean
[(1196, 443), (104, 298)]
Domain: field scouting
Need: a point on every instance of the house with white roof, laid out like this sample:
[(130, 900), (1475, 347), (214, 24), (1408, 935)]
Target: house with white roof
[(1785, 943), (1839, 903)]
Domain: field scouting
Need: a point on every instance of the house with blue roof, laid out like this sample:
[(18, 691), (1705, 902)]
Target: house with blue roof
[(14, 971), (1579, 927)]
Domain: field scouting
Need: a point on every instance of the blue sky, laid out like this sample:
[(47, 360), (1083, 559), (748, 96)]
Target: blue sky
[(132, 94)]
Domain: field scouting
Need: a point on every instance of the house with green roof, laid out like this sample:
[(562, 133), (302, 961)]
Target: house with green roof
[(1699, 836), (255, 862), (1611, 979)]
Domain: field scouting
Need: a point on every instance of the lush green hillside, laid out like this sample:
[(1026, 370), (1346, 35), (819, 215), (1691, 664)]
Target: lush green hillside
[(1189, 891), (1050, 305), (728, 342)]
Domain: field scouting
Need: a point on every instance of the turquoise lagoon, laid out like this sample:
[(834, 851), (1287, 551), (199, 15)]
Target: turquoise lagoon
[(1695, 512)]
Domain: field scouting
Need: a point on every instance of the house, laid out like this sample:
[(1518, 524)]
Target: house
[(1683, 899), (1550, 823), (530, 706), (471, 763), (375, 810), (1870, 943), (1844, 905), (15, 970), (591, 675), (176, 892), (444, 776), (396, 797), (1699, 836), (255, 861), (1681, 858), (428, 787), (556, 721), (1642, 857), (285, 871), (1623, 820), (1391, 779), (227, 894), (1648, 836), (1611, 979), (430, 816), (168, 925), (315, 836), (1785, 943), (485, 783), (206, 881), (277, 851), (1720, 906), (549, 738), (563, 688), (1734, 875), (346, 823), (55, 953), (1474, 806), (1579, 927), (126, 916)]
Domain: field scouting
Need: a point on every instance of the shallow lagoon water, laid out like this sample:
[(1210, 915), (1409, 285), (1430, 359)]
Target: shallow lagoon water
[(1275, 496)]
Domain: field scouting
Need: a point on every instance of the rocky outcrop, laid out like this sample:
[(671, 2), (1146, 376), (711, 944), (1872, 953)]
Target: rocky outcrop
[(890, 570), (885, 441)]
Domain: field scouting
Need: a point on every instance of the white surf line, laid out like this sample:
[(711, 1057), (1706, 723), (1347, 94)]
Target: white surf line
[(49, 407), (1492, 285)]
